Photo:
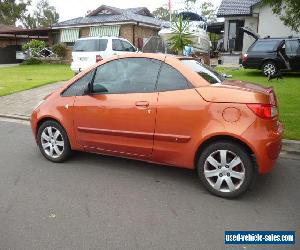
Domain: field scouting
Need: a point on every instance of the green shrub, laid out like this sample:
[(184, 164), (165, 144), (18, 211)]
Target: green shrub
[(32, 61), (34, 46), (60, 49)]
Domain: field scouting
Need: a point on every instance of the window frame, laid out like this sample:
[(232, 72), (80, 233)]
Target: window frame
[(189, 84), (118, 93), (93, 72), (295, 54), (91, 83)]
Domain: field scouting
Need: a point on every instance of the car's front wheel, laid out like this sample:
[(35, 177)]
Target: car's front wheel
[(269, 68), (226, 169), (53, 141)]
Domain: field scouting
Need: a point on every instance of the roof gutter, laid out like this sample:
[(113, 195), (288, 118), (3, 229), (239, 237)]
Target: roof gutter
[(105, 24)]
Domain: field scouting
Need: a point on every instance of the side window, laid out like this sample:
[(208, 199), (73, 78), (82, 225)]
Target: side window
[(103, 44), (265, 46), (127, 46), (171, 79), (117, 45), (77, 88), (130, 75), (292, 47)]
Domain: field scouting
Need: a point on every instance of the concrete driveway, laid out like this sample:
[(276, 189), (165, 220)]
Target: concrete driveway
[(98, 202), (22, 103)]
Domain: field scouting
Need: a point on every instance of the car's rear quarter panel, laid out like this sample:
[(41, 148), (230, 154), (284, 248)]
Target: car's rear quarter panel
[(196, 120)]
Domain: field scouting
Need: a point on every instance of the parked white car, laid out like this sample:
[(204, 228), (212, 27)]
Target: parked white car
[(87, 51)]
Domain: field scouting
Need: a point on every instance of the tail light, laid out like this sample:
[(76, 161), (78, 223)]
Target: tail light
[(98, 58), (265, 111), (245, 58)]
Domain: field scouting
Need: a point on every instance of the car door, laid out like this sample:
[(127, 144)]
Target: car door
[(118, 116), (120, 47), (292, 50), (180, 112)]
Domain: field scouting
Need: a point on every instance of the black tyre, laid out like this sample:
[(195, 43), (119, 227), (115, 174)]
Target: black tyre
[(269, 68), (225, 169), (53, 142)]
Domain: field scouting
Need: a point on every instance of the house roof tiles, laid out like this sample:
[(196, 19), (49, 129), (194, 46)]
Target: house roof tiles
[(115, 15), (236, 7)]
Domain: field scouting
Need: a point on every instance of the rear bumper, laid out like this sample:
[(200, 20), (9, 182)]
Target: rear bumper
[(266, 144)]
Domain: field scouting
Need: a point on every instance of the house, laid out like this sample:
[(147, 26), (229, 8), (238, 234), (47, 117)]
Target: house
[(12, 38), (133, 24), (255, 16)]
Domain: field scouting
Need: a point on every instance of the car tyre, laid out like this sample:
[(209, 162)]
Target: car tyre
[(53, 142), (226, 169), (269, 68)]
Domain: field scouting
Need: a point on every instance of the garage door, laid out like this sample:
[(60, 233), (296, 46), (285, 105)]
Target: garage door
[(8, 54)]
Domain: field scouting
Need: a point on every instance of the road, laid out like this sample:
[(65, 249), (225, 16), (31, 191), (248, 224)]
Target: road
[(98, 202)]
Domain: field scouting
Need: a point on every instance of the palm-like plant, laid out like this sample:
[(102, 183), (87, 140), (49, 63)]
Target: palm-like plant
[(181, 37)]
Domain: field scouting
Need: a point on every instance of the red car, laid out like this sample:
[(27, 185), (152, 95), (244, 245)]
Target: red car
[(168, 110)]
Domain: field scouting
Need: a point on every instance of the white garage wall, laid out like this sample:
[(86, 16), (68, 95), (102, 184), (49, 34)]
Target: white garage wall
[(271, 25), (251, 23)]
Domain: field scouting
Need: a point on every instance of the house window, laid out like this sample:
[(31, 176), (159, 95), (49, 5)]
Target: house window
[(105, 31), (69, 35)]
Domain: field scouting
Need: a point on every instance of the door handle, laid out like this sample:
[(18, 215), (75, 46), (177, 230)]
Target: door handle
[(142, 104)]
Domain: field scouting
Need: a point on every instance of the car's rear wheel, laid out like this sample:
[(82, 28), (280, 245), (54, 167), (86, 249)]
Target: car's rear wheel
[(226, 169), (53, 142), (269, 68)]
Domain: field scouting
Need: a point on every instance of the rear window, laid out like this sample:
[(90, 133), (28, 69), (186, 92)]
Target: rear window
[(90, 45), (204, 71), (265, 46)]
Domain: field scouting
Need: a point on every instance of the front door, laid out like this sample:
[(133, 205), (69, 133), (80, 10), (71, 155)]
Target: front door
[(292, 50), (235, 35), (118, 116)]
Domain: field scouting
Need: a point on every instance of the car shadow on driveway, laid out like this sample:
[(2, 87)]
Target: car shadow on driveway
[(164, 175)]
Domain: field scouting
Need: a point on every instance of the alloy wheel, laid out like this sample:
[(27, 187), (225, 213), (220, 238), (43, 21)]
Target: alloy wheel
[(224, 171), (52, 142), (269, 69)]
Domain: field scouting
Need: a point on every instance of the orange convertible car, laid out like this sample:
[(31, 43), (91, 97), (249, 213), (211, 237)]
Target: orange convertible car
[(168, 110)]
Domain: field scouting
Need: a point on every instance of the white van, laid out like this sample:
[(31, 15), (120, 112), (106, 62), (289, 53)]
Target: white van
[(87, 51)]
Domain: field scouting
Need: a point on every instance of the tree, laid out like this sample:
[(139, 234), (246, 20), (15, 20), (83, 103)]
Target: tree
[(208, 11), (11, 11), (181, 37), (162, 13), (288, 11), (34, 47), (44, 16), (189, 5)]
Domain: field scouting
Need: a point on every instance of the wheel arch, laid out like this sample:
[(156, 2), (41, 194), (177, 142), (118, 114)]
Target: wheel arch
[(226, 138), (44, 119)]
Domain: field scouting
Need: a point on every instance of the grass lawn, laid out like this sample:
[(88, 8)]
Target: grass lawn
[(14, 79), (287, 91)]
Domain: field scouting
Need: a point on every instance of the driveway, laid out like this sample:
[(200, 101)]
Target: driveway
[(22, 103), (98, 202)]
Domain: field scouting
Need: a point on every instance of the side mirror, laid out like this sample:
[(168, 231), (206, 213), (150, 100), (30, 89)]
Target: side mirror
[(99, 88)]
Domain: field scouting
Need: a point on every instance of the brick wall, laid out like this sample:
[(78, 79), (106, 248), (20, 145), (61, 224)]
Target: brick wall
[(126, 31), (6, 42), (143, 32), (135, 32)]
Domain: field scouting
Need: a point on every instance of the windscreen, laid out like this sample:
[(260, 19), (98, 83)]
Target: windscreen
[(204, 71), (90, 45)]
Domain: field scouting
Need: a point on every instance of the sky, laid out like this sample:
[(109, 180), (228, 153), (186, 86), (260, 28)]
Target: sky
[(69, 9)]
